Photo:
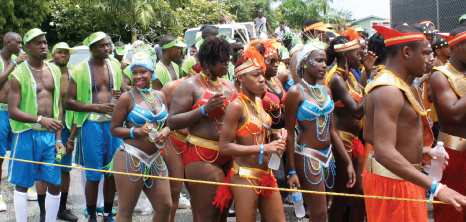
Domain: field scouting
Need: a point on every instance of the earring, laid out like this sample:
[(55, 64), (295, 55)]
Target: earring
[(208, 71), (240, 86), (305, 66)]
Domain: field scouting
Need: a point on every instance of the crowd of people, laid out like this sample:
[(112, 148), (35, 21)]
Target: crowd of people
[(350, 115)]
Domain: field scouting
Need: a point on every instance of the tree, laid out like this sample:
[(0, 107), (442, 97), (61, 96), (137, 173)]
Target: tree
[(296, 12), (246, 10), (22, 15)]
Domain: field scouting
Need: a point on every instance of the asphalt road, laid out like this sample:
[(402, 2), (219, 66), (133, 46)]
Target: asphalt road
[(76, 203)]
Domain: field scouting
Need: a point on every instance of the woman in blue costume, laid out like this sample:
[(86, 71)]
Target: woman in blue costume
[(311, 159), (140, 122)]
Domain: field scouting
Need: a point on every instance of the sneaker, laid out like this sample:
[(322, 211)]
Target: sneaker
[(108, 218), (32, 195), (100, 211), (66, 215), (183, 202), (2, 204), (86, 214)]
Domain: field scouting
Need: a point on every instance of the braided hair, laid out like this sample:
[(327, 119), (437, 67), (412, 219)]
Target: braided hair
[(331, 54), (376, 45), (213, 50)]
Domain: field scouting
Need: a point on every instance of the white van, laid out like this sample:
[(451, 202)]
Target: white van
[(230, 30)]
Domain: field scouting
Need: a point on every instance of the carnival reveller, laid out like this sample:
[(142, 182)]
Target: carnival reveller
[(12, 44), (119, 52), (247, 136), (93, 85), (447, 94), (312, 28), (200, 106), (34, 111), (375, 58), (144, 111), (167, 70), (397, 127), (311, 162), (191, 65), (347, 95)]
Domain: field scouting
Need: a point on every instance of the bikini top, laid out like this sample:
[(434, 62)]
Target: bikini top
[(209, 93), (272, 100), (309, 111), (140, 115), (253, 125), (289, 83), (353, 87)]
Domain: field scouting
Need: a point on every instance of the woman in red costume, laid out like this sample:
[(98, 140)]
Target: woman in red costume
[(347, 95), (246, 135), (200, 107)]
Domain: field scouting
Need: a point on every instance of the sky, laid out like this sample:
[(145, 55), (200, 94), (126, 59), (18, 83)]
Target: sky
[(363, 8)]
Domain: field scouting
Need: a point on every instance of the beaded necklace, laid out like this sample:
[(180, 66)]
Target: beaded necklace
[(217, 84), (95, 85), (148, 100), (325, 126), (257, 107)]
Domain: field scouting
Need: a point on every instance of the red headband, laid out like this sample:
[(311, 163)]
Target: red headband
[(393, 37), (452, 40)]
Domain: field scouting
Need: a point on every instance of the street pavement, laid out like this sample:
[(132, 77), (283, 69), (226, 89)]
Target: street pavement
[(76, 203)]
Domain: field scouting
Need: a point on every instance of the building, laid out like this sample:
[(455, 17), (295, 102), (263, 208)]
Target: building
[(367, 22), (443, 13)]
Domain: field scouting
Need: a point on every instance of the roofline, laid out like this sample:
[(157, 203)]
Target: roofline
[(370, 16)]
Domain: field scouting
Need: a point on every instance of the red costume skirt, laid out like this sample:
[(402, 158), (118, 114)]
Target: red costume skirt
[(200, 149), (352, 144)]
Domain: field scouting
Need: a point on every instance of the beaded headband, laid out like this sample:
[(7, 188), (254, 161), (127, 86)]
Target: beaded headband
[(347, 46), (254, 61)]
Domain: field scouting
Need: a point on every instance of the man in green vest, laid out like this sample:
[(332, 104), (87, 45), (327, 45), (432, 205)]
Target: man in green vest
[(34, 111), (166, 69), (95, 85), (12, 44)]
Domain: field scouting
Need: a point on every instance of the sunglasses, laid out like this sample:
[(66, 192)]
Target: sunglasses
[(271, 61)]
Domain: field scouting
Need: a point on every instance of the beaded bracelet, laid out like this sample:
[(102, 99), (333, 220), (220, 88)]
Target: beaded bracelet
[(131, 132), (71, 141), (202, 110), (261, 155)]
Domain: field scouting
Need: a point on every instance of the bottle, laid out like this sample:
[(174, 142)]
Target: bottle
[(436, 166), (274, 161), (298, 204), (152, 134), (113, 101)]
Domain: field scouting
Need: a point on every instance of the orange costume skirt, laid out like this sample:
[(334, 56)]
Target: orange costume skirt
[(352, 144), (200, 149), (454, 177), (264, 178), (378, 181)]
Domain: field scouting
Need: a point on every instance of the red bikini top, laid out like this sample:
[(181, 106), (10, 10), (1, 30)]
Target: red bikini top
[(209, 93), (253, 125), (271, 99)]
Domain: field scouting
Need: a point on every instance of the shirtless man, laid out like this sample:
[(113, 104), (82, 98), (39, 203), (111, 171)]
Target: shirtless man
[(447, 84), (12, 44), (35, 114), (166, 69), (396, 126), (93, 108)]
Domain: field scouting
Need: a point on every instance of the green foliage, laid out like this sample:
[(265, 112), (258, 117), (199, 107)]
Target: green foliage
[(246, 11), (22, 15), (200, 12)]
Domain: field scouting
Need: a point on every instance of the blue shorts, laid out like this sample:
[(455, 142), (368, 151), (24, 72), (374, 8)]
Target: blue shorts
[(6, 135), (66, 160), (97, 147), (35, 146)]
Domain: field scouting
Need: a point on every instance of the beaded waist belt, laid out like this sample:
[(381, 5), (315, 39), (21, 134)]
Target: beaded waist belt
[(3, 107), (347, 138), (201, 142), (99, 117), (250, 173), (315, 154), (452, 142), (372, 166), (141, 155), (178, 136)]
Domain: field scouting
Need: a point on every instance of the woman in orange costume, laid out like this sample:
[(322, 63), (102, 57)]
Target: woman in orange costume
[(246, 135), (347, 94)]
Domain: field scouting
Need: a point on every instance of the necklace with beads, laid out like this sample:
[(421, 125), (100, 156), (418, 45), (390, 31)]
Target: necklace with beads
[(95, 85), (319, 97), (217, 84)]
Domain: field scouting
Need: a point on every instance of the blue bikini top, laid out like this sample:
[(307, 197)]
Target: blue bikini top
[(309, 111), (289, 83), (140, 115)]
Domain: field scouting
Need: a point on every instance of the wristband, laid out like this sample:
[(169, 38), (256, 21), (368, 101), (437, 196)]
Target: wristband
[(442, 188), (292, 172), (437, 190), (433, 187), (131, 132), (202, 110), (416, 81), (58, 141), (261, 155), (14, 62), (39, 119), (71, 141)]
